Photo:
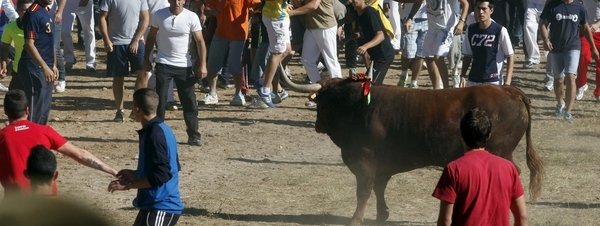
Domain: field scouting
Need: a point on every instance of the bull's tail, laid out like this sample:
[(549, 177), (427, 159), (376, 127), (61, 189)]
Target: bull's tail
[(534, 162)]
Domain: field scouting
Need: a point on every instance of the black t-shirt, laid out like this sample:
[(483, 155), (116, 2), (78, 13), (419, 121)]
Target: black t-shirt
[(484, 47), (369, 24), (564, 20)]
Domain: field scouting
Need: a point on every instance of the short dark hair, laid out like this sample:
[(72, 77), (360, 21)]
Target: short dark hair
[(21, 3), (41, 165), (475, 128), (15, 104), (147, 100), (490, 3)]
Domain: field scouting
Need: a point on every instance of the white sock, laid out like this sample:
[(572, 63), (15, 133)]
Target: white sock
[(403, 73), (265, 89), (413, 82)]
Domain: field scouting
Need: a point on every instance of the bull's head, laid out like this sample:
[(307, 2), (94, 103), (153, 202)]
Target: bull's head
[(336, 104)]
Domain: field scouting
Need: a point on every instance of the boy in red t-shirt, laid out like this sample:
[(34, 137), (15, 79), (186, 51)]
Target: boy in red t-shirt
[(21, 135), (479, 188)]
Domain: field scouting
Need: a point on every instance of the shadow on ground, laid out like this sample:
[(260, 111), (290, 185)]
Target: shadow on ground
[(570, 205), (303, 219), (269, 161)]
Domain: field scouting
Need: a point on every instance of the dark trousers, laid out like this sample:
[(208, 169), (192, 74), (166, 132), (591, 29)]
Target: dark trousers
[(16, 81), (350, 47), (381, 64), (184, 81), (38, 92)]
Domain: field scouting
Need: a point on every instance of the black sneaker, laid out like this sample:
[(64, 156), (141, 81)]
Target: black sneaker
[(119, 116), (194, 141), (90, 69)]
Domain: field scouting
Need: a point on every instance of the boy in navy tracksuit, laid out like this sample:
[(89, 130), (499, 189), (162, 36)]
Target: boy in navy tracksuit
[(157, 174), (37, 67)]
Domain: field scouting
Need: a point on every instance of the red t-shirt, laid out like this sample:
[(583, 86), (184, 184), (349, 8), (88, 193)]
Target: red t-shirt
[(481, 186), (16, 141)]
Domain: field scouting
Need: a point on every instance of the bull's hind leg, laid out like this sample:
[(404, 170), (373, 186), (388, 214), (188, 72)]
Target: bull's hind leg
[(381, 182)]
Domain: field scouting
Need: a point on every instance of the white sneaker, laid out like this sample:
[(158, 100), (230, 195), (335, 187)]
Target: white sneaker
[(3, 88), (456, 79), (60, 87), (413, 84), (560, 110), (210, 99), (581, 91), (549, 85), (238, 100)]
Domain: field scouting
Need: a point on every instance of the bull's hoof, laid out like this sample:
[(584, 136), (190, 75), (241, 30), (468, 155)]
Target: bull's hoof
[(355, 222), (382, 216)]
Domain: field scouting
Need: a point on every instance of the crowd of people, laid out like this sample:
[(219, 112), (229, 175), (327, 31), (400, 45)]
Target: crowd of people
[(247, 41), (181, 43)]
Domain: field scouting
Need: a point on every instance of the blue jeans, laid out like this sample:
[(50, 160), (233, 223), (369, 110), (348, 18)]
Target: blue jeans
[(60, 60), (258, 66), (565, 62)]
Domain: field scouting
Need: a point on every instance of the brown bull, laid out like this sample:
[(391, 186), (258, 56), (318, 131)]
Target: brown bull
[(397, 130)]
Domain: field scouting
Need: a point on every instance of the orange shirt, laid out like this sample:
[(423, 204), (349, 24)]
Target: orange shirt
[(232, 18)]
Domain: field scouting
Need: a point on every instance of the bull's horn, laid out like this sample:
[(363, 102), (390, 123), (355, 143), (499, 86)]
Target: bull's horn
[(303, 88)]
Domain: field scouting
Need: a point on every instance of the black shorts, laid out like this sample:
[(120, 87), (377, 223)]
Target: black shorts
[(121, 62), (155, 218)]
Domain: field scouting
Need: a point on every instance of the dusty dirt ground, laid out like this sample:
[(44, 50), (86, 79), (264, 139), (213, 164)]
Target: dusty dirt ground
[(269, 167)]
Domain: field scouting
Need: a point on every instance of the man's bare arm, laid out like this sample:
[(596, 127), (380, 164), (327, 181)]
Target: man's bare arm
[(510, 62), (33, 52), (445, 216), (308, 7), (139, 32), (59, 11), (519, 211), (201, 53), (85, 158)]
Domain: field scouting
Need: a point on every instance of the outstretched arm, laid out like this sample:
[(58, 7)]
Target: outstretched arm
[(85, 158)]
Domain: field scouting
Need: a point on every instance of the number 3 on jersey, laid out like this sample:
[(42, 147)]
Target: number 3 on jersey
[(48, 27)]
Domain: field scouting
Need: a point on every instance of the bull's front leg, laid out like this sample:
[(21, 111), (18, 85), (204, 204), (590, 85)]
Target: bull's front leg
[(364, 185), (381, 182), (361, 163)]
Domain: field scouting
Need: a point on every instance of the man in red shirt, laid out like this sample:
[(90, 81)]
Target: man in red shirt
[(21, 135), (479, 188)]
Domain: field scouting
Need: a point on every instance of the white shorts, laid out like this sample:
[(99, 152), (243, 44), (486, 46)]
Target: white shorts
[(437, 43), (279, 34)]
